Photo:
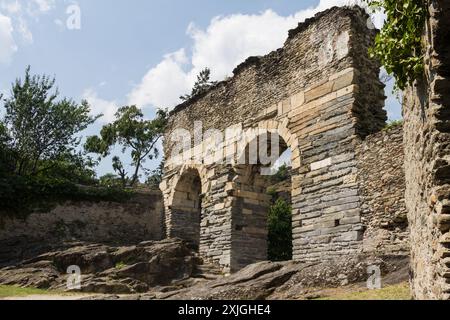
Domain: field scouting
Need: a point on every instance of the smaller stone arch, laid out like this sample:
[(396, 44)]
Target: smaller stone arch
[(202, 172), (184, 205)]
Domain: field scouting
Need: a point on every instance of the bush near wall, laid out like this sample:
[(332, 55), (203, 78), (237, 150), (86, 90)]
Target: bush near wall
[(280, 231), (20, 196)]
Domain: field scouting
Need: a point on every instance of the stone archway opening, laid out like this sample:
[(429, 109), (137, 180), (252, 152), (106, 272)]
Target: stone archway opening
[(280, 247), (186, 208), (262, 226)]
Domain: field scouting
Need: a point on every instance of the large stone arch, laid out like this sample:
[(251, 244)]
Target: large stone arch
[(249, 220), (321, 105)]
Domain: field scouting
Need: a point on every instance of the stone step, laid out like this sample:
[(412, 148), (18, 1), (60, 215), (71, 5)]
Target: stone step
[(208, 269), (207, 276)]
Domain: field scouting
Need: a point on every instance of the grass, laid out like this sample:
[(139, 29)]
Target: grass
[(393, 124), (395, 292), (13, 291), (120, 265)]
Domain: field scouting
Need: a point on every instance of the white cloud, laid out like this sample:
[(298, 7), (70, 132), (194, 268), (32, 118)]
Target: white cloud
[(7, 44), (24, 31), (42, 5), (14, 23), (163, 84), (226, 42), (11, 7), (100, 106)]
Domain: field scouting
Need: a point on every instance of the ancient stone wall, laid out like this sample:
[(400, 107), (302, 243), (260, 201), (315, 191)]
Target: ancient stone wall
[(321, 95), (133, 221), (382, 189), (427, 162)]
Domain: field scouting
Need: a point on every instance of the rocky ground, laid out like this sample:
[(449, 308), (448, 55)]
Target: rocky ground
[(170, 270)]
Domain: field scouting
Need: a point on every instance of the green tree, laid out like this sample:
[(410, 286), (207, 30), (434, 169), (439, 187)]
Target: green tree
[(155, 178), (132, 132), (202, 84), (73, 167), (110, 181), (283, 174), (398, 46), (37, 127), (280, 231)]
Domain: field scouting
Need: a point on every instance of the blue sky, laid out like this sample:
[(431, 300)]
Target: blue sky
[(143, 52)]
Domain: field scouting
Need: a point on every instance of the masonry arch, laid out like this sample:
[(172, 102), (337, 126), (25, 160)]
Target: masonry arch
[(253, 239), (186, 207), (320, 110)]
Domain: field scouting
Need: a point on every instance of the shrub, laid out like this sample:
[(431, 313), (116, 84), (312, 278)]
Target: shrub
[(280, 231)]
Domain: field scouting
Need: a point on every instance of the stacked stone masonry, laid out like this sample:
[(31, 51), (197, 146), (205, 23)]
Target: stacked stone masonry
[(427, 136), (129, 222), (322, 96), (382, 189)]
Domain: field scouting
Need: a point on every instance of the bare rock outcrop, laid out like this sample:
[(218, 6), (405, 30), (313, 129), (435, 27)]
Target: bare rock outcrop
[(107, 269), (169, 269)]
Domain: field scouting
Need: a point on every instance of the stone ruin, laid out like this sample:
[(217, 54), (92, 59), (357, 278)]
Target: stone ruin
[(363, 195), (319, 96), (357, 190)]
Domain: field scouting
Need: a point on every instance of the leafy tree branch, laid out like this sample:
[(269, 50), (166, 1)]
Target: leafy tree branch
[(202, 84), (132, 132), (399, 45)]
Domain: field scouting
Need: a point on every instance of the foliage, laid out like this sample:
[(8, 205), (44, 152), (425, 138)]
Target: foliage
[(280, 231), (283, 174), (131, 131), (202, 84), (38, 129), (155, 178), (271, 191), (110, 181), (397, 292), (39, 162), (393, 124), (120, 265), (13, 291), (73, 167), (42, 193), (399, 44)]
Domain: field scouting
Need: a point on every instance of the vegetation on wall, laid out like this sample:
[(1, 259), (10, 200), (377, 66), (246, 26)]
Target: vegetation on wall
[(399, 46), (202, 84), (393, 124), (40, 158), (21, 196)]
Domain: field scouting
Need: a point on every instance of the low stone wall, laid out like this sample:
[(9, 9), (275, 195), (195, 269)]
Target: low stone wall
[(382, 191), (136, 220)]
